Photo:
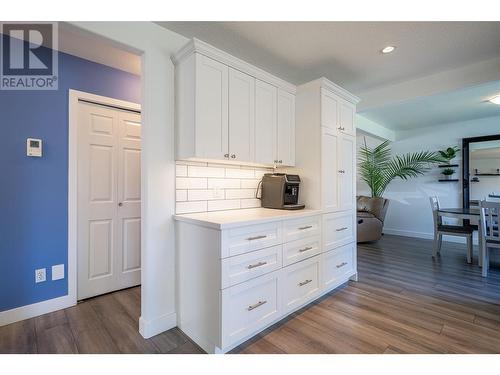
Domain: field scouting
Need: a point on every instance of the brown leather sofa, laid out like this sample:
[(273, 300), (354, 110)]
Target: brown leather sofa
[(370, 215)]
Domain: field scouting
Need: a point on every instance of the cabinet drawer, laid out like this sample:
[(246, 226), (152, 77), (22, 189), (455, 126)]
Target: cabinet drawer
[(249, 306), (338, 229), (338, 264), (253, 237), (247, 266), (296, 251), (300, 283), (297, 229)]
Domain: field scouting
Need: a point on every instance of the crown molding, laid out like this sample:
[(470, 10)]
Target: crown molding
[(329, 85), (198, 46)]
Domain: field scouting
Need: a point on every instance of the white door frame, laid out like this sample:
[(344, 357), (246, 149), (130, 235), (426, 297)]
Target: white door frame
[(74, 97)]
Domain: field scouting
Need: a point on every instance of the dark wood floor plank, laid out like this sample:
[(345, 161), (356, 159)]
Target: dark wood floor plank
[(91, 336), (18, 338), (123, 329)]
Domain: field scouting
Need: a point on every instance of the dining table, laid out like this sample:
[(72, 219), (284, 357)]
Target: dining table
[(467, 213)]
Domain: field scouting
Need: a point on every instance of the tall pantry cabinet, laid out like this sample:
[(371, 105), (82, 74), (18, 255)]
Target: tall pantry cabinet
[(326, 161)]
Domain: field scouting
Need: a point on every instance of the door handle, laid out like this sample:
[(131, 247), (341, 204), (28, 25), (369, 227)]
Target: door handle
[(305, 282), (250, 266), (341, 229), (305, 249), (256, 238), (258, 304)]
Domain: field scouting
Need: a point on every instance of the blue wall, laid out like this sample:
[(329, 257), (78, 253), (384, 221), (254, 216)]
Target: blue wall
[(34, 191)]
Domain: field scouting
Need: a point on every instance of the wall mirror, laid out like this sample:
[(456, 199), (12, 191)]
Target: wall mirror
[(480, 169)]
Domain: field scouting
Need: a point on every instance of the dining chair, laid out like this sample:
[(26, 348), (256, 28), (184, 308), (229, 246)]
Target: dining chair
[(491, 234), (450, 230)]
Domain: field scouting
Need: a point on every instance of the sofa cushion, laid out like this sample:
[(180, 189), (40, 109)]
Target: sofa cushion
[(365, 215)]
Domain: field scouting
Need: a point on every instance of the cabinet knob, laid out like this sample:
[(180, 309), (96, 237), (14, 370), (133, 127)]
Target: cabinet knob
[(233, 156), (120, 204), (226, 156), (281, 161)]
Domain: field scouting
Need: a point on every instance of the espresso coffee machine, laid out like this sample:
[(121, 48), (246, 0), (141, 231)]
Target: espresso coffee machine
[(281, 191)]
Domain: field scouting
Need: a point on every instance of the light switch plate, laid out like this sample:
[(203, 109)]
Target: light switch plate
[(40, 275), (58, 272)]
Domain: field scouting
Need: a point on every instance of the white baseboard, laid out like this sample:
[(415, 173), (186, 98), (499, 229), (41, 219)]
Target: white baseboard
[(36, 309), (153, 327), (428, 236)]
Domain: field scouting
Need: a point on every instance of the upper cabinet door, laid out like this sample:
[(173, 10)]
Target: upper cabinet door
[(347, 166), (241, 116), (329, 110), (346, 118), (286, 128), (329, 170), (211, 108), (266, 98)]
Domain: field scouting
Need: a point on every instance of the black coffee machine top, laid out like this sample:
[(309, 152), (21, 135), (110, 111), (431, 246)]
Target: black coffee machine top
[(281, 191)]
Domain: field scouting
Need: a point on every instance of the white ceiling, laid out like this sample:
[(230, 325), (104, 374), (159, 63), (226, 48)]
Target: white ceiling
[(454, 106), (348, 53)]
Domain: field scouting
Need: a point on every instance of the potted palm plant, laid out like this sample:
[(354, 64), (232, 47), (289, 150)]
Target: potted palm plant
[(378, 168)]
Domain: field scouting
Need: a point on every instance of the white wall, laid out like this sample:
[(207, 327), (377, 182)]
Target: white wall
[(409, 210), (158, 309)]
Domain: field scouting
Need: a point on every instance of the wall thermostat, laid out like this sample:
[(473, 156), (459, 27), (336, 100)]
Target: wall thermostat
[(34, 147)]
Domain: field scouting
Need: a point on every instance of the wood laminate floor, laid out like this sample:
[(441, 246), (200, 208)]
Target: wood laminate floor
[(404, 302)]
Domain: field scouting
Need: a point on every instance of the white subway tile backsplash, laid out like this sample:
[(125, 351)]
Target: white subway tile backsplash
[(224, 183), (250, 203), (227, 204), (181, 170), (205, 187), (240, 193), (249, 184), (190, 183), (205, 195), (240, 173), (181, 195), (190, 207), (198, 171)]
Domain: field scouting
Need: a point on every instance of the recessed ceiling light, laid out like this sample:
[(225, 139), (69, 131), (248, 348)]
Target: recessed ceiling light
[(388, 49), (495, 99)]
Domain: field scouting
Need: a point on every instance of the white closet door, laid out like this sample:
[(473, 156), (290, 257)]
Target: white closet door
[(241, 116), (108, 174), (329, 170), (128, 261), (347, 111), (266, 96)]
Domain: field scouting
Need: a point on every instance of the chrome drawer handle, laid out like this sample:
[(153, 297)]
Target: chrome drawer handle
[(341, 229), (306, 227), (258, 304), (250, 266), (256, 238), (305, 249), (305, 282), (341, 264)]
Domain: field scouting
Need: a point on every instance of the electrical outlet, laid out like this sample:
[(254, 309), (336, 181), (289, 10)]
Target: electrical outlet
[(40, 275)]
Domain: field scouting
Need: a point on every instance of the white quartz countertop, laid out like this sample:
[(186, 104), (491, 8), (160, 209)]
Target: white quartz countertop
[(248, 216)]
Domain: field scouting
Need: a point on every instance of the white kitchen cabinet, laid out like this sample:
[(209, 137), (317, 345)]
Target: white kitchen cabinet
[(228, 110), (346, 159), (241, 116), (266, 121), (236, 279), (211, 135), (329, 170), (286, 129), (337, 113)]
